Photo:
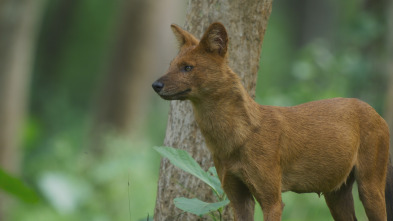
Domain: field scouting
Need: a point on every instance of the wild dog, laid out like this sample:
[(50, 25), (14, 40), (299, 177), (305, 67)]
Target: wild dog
[(321, 146)]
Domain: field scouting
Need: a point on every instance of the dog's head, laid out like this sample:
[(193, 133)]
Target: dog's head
[(196, 70)]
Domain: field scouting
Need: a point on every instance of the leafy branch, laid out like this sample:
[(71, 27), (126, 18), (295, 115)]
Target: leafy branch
[(184, 161)]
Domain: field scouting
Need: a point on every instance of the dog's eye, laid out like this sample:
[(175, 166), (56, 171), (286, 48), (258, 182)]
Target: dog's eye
[(188, 68)]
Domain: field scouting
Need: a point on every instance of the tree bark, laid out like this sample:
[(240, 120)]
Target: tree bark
[(18, 30), (246, 22)]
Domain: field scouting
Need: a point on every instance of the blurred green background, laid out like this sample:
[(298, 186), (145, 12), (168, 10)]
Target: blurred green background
[(79, 118)]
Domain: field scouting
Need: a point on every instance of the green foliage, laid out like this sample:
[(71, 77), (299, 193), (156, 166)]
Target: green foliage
[(346, 62), (197, 206), (17, 188), (92, 188), (184, 161)]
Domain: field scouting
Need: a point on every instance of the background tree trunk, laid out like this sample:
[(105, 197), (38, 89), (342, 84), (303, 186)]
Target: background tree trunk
[(312, 19), (18, 30), (117, 98), (137, 57), (246, 23)]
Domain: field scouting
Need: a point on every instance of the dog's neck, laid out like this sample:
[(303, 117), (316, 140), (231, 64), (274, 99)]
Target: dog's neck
[(226, 118)]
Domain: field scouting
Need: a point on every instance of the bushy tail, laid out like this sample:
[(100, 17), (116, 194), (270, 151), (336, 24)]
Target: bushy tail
[(389, 191)]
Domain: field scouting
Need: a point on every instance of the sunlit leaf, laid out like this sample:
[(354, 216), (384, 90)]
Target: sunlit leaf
[(215, 180), (198, 207), (184, 161)]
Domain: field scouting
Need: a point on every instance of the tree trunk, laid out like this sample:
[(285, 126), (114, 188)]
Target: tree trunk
[(312, 19), (246, 23), (18, 29), (123, 97), (389, 69), (115, 107)]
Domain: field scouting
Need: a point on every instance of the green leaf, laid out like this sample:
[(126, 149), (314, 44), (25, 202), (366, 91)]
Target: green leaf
[(215, 180), (197, 206), (17, 188), (184, 161)]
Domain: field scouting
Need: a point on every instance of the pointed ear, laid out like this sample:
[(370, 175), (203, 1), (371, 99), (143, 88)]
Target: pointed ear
[(215, 39), (183, 37)]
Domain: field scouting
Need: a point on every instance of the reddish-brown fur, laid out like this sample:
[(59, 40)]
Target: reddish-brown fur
[(321, 146)]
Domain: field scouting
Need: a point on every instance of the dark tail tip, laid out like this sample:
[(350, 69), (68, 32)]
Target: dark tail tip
[(389, 192)]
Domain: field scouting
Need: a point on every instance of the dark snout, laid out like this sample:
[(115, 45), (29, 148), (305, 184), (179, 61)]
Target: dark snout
[(157, 86), (170, 90)]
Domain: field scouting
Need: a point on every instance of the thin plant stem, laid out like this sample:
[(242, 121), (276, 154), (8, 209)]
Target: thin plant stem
[(213, 216), (129, 199)]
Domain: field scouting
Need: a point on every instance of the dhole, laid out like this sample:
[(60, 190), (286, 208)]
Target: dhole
[(261, 151)]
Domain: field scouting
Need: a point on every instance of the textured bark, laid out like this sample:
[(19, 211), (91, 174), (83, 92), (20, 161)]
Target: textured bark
[(18, 26), (246, 22), (389, 69)]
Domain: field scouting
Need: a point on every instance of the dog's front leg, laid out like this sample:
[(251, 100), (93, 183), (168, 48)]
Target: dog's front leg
[(242, 201), (265, 185)]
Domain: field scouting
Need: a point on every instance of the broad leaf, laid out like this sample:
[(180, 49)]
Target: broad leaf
[(16, 188), (216, 181), (197, 206), (184, 161)]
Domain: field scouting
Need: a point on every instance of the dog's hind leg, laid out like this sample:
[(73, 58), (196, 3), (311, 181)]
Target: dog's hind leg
[(372, 196), (340, 202), (370, 174)]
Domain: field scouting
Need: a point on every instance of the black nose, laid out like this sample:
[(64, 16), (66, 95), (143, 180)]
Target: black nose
[(157, 86)]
